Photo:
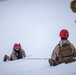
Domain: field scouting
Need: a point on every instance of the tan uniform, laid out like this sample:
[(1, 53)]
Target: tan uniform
[(57, 49), (14, 54)]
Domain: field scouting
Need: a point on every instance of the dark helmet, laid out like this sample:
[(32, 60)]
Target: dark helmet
[(64, 33)]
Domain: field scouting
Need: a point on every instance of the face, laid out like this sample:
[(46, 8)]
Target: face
[(17, 48)]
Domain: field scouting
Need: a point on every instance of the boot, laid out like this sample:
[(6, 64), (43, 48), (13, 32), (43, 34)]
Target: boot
[(53, 63), (6, 58)]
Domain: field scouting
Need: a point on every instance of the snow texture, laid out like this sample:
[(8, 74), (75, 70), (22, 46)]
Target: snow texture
[(35, 24)]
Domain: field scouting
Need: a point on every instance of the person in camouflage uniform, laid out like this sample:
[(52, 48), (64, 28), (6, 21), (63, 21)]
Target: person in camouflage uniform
[(64, 51), (17, 53)]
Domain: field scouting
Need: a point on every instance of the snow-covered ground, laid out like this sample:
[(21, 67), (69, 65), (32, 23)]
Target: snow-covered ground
[(36, 25)]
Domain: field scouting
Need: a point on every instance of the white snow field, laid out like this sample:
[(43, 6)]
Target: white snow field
[(35, 24)]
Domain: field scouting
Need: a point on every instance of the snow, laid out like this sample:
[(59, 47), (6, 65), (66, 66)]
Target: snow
[(35, 24)]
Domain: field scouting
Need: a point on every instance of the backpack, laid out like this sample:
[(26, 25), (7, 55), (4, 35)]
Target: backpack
[(65, 54)]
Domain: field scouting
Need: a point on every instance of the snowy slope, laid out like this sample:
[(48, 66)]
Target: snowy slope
[(36, 25), (36, 67)]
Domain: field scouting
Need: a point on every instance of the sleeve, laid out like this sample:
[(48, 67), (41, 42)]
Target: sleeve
[(13, 56), (55, 52), (23, 53), (73, 50)]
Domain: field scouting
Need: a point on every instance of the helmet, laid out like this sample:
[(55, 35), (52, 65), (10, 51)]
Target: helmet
[(16, 45), (64, 33)]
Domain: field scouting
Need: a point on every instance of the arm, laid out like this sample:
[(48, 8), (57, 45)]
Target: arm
[(13, 55), (55, 53), (73, 50), (23, 53)]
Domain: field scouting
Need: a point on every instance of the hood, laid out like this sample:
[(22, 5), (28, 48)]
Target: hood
[(63, 42)]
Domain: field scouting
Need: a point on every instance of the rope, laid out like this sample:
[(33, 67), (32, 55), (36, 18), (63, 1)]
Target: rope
[(37, 58)]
